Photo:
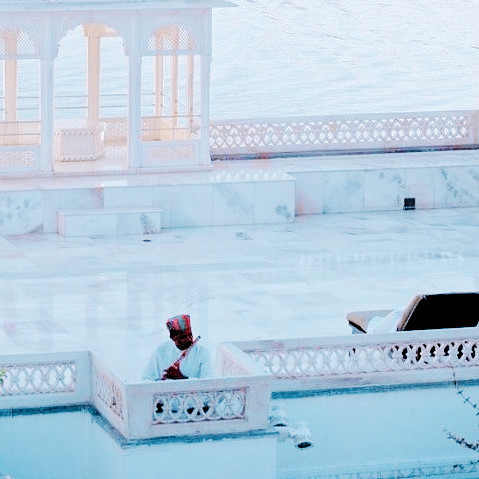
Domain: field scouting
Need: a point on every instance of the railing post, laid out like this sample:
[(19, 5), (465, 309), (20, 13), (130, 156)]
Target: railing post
[(474, 115)]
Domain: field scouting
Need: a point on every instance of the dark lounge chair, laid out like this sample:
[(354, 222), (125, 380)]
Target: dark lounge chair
[(427, 311)]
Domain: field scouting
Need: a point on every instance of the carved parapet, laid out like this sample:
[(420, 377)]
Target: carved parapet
[(109, 396), (41, 380), (344, 133), (108, 391), (343, 362), (38, 378)]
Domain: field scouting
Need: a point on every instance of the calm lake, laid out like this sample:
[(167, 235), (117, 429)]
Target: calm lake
[(305, 57)]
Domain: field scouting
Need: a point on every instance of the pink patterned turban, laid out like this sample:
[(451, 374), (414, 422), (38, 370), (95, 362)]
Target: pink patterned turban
[(179, 323)]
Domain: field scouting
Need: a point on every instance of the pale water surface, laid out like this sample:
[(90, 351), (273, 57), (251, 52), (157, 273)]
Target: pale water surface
[(312, 57)]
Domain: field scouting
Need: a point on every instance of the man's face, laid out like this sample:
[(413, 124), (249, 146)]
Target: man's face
[(181, 340)]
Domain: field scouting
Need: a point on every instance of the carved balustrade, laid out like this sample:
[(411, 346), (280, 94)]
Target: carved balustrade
[(343, 133), (203, 406), (36, 380), (195, 406), (109, 396), (220, 405), (238, 400), (345, 361)]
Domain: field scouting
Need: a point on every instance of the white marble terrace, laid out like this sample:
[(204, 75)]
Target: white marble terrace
[(117, 215)]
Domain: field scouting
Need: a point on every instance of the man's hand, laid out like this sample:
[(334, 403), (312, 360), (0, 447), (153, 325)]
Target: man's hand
[(173, 372)]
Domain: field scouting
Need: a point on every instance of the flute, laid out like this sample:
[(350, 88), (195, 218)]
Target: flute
[(183, 355)]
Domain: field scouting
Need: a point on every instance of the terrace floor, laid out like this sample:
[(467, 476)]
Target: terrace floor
[(112, 295)]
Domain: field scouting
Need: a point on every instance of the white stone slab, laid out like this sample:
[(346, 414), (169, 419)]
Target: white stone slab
[(107, 222)]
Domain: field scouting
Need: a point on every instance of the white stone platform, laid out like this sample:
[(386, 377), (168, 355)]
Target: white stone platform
[(249, 191), (380, 182), (217, 195)]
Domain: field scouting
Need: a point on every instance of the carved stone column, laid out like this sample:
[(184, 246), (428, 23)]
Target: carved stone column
[(205, 91), (94, 33), (159, 77), (93, 80), (47, 81), (134, 100), (11, 77)]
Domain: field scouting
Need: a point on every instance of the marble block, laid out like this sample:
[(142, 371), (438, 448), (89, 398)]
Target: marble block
[(108, 222)]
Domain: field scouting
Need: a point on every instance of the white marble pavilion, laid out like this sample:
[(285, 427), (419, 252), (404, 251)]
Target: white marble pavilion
[(161, 119)]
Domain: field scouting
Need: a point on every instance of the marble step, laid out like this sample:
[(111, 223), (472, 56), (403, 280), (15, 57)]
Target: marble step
[(109, 221)]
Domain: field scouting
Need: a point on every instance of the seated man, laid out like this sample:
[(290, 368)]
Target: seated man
[(180, 358)]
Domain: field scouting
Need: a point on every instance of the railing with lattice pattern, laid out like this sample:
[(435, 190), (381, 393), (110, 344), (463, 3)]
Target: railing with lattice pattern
[(236, 401), (17, 159), (169, 408), (116, 130), (194, 406), (166, 140), (39, 378), (33, 380), (373, 132), (343, 357), (109, 392), (142, 410), (109, 395)]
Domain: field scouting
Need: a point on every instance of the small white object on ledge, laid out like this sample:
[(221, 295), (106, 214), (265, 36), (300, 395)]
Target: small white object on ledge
[(79, 140)]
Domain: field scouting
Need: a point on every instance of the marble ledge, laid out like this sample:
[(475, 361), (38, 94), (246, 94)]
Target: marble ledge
[(243, 175), (411, 160), (276, 169)]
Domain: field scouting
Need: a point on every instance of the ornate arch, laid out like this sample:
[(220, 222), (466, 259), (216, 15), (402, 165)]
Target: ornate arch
[(170, 40), (25, 45), (119, 26)]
